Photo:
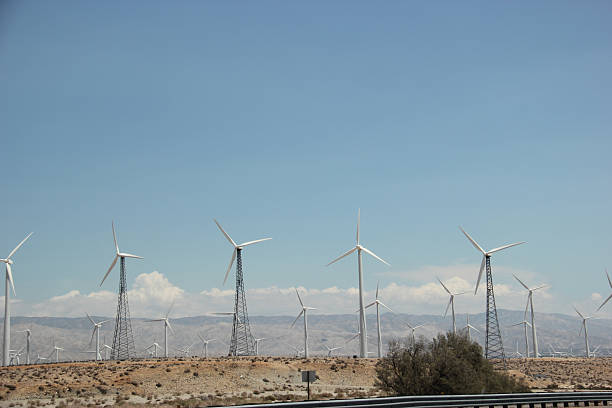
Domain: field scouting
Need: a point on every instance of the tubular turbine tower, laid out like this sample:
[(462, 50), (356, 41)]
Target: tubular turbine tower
[(243, 342), (494, 347), (123, 340)]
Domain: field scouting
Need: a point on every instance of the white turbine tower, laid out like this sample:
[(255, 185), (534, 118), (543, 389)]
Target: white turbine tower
[(378, 303), (257, 341), (330, 350), (413, 329), (205, 344), (524, 323), (96, 332), (530, 305), (451, 303), (28, 334), (469, 327), (303, 312), (166, 327), (586, 333), (7, 306), (609, 297), (363, 338)]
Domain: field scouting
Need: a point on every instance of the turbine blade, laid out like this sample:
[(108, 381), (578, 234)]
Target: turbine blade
[(296, 319), (253, 242), (527, 306), (478, 247), (92, 335), (539, 287), (520, 281), (350, 251), (609, 281), (377, 283), (115, 237), (110, 269), (473, 328), (444, 286), (482, 265), (375, 256), (170, 327), (605, 301), (358, 219), (580, 314), (229, 267), (170, 308), (371, 304), (387, 307), (90, 319), (226, 234), (9, 272), (505, 247), (201, 338), (447, 306), (299, 298), (19, 246), (126, 255)]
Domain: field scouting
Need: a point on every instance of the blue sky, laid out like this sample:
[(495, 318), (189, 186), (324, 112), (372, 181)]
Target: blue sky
[(282, 118)]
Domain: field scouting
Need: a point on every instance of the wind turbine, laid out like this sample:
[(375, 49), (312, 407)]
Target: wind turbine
[(28, 334), (378, 303), (257, 341), (38, 358), (330, 350), (123, 341), (242, 340), (303, 312), (186, 350), (494, 347), (413, 329), (7, 305), (166, 327), (530, 304), (517, 353), (205, 344), (609, 297), (363, 338), (56, 350), (451, 303), (155, 346), (468, 326), (525, 323), (586, 333), (96, 332)]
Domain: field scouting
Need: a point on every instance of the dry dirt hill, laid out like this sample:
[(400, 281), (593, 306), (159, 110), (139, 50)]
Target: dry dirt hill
[(227, 381)]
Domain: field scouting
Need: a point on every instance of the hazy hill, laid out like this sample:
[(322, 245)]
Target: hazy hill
[(74, 334)]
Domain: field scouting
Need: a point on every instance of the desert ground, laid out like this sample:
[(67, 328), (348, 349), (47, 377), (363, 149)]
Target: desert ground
[(227, 381)]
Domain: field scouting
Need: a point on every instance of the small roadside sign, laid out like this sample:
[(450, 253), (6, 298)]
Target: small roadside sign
[(308, 377)]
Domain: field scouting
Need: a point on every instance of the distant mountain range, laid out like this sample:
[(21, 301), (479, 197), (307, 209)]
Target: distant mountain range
[(73, 334)]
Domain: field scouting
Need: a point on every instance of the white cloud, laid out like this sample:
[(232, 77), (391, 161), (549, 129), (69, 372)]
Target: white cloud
[(152, 294)]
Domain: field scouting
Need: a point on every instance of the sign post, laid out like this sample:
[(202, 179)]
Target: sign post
[(308, 377)]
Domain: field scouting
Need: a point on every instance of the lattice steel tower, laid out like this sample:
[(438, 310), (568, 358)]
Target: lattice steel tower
[(123, 341), (243, 342), (494, 347)]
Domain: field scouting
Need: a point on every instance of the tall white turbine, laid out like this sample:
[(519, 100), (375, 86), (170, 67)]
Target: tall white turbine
[(587, 353), (363, 338), (469, 327), (7, 305), (413, 329), (96, 332), (524, 323), (530, 305), (257, 341), (378, 303), (451, 303), (28, 334), (205, 344), (166, 327), (303, 312), (609, 297)]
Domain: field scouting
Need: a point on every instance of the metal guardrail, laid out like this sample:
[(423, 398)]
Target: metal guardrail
[(543, 400)]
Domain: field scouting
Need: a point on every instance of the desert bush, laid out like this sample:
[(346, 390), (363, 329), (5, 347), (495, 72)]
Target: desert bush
[(450, 364)]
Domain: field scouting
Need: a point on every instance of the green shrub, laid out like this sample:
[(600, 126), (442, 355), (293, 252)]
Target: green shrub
[(450, 364)]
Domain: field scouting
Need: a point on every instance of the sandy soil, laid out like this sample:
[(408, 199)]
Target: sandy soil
[(226, 381)]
